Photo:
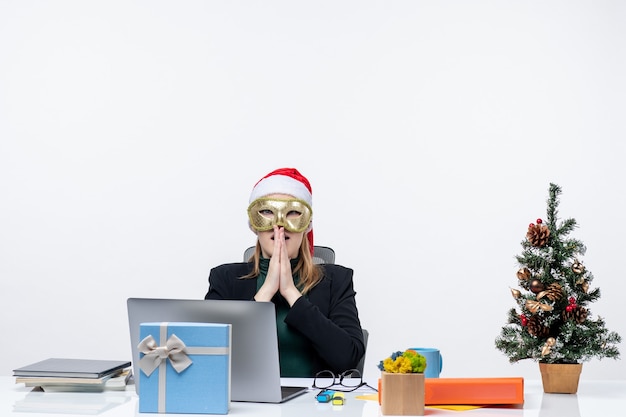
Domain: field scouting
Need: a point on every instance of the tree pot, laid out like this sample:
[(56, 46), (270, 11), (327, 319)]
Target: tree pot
[(560, 378)]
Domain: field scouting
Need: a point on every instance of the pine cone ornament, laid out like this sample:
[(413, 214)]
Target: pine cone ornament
[(538, 234), (578, 314), (554, 292), (536, 328)]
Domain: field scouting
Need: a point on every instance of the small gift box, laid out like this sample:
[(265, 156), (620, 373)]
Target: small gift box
[(185, 368)]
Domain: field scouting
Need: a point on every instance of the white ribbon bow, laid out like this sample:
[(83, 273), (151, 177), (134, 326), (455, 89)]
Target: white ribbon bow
[(174, 350)]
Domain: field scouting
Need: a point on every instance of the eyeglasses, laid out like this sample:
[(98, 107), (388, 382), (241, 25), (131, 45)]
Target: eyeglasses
[(351, 380)]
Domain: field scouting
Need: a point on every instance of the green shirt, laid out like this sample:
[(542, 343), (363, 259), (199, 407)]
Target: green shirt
[(293, 348)]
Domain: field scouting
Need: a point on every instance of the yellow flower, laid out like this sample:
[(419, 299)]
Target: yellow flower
[(404, 363)]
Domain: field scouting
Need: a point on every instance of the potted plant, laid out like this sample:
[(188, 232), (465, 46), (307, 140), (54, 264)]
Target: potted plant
[(552, 323), (401, 386)]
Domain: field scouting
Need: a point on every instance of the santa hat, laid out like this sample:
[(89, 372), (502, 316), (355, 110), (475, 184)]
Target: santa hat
[(286, 181)]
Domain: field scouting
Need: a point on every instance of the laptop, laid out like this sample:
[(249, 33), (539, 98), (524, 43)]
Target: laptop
[(255, 369)]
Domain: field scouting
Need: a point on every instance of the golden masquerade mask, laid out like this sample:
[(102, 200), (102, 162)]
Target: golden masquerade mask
[(292, 214)]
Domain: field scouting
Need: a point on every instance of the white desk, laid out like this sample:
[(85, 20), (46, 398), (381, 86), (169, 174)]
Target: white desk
[(594, 399)]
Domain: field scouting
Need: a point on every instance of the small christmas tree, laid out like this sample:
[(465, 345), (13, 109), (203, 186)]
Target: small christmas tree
[(552, 322)]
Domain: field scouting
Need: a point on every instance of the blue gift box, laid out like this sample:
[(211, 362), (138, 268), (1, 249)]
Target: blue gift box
[(184, 368)]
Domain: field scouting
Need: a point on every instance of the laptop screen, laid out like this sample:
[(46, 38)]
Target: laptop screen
[(255, 369)]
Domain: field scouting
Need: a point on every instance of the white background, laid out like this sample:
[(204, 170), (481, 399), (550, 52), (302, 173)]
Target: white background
[(131, 133)]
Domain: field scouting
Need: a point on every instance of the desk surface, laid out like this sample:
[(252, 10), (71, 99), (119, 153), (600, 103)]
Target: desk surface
[(594, 398)]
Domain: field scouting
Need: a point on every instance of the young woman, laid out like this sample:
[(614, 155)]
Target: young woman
[(317, 318)]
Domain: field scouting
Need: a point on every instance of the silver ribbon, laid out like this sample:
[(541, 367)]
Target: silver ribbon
[(174, 350)]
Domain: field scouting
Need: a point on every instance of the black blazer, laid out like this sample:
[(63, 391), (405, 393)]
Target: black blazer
[(327, 315)]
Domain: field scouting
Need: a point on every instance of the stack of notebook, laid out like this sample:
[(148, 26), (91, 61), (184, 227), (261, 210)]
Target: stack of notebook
[(88, 375)]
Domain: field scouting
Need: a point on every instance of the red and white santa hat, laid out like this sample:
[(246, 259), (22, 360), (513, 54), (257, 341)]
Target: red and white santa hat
[(286, 181)]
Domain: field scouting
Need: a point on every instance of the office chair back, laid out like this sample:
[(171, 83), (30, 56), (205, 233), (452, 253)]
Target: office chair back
[(321, 254), (361, 363)]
